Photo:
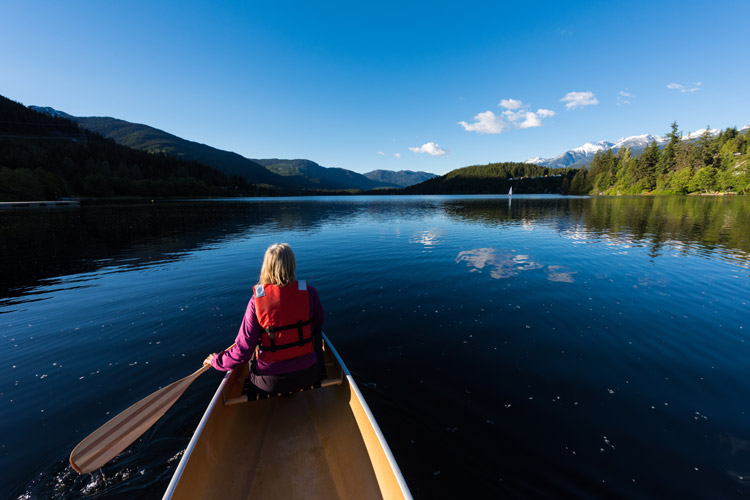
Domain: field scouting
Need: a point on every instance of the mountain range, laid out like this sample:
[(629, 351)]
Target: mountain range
[(402, 178), (309, 175), (584, 154), (292, 175)]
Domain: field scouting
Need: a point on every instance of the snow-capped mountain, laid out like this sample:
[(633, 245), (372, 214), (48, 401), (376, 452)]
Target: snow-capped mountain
[(637, 143), (698, 133), (584, 154)]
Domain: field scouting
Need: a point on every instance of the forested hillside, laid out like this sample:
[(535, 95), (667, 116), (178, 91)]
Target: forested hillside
[(706, 164), (289, 176), (47, 157), (497, 178), (306, 174), (153, 140), (401, 178)]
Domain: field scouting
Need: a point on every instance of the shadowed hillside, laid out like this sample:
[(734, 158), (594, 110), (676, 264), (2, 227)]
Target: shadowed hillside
[(309, 175)]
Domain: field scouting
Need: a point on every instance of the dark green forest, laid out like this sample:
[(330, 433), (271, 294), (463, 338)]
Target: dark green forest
[(708, 164), (498, 178), (44, 158)]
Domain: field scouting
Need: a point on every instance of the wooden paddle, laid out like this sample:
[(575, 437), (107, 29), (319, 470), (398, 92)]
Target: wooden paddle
[(110, 439)]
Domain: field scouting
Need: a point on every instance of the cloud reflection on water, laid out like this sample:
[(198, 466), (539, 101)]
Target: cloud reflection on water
[(504, 264), (556, 273), (429, 238)]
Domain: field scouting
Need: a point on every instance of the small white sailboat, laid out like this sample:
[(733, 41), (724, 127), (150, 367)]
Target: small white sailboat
[(510, 191)]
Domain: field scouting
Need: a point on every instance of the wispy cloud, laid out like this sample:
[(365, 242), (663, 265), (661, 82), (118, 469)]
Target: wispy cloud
[(485, 123), (682, 88), (431, 149), (574, 100), (623, 97), (397, 155), (381, 153)]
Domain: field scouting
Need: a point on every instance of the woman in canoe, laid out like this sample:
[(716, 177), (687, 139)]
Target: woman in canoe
[(282, 325)]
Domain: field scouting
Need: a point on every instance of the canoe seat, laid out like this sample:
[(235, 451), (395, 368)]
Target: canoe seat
[(232, 396)]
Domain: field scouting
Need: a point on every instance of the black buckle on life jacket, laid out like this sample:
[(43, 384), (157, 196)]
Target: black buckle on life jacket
[(272, 337)]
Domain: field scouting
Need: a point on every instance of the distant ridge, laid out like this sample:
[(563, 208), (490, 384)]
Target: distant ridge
[(52, 112), (402, 178), (310, 175)]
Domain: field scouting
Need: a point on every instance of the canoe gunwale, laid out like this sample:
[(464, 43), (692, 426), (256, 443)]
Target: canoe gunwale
[(196, 436), (373, 423), (381, 439)]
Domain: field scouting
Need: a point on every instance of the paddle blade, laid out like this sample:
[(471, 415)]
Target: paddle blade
[(110, 439)]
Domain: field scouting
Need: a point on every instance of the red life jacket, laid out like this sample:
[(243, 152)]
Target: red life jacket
[(284, 315)]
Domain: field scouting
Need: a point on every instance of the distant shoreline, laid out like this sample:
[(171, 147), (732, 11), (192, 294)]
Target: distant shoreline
[(39, 203)]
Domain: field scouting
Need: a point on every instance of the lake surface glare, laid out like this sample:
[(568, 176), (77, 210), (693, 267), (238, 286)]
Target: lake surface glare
[(534, 348)]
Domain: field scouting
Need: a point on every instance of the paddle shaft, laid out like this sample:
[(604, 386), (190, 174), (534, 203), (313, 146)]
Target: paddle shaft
[(118, 433)]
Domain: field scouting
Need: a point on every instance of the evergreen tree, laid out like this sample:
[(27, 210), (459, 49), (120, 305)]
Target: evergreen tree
[(706, 148), (644, 178), (668, 159), (704, 179), (580, 183)]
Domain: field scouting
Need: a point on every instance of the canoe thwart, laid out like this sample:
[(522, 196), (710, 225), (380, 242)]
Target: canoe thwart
[(240, 390)]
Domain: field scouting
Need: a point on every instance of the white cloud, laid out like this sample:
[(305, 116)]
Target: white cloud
[(682, 88), (511, 104), (381, 153), (545, 113), (485, 123), (516, 113), (532, 120), (513, 116), (524, 118), (623, 97), (397, 155), (574, 100), (431, 149), (535, 119)]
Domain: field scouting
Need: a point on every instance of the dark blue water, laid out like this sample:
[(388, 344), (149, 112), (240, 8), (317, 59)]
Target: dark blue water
[(552, 347)]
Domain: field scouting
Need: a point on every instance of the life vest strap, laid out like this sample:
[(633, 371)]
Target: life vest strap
[(271, 330)]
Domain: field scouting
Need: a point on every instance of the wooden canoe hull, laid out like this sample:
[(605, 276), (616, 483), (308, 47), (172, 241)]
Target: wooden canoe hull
[(320, 443)]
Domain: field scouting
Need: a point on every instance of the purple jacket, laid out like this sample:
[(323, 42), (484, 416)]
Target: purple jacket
[(249, 337)]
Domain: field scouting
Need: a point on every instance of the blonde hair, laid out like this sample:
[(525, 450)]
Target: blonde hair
[(279, 265)]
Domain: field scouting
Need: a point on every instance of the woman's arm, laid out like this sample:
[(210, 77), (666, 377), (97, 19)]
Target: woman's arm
[(245, 343)]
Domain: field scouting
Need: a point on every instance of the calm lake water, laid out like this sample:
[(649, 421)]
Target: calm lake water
[(548, 347)]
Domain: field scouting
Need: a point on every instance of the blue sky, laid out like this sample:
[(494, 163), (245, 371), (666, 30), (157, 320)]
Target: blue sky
[(385, 85)]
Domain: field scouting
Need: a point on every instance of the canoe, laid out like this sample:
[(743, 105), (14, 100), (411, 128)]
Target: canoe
[(318, 443)]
